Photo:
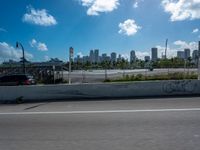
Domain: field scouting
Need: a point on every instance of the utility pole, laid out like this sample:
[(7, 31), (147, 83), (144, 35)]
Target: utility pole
[(71, 51), (199, 62)]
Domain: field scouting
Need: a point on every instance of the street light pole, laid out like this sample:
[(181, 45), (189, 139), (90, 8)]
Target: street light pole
[(23, 56), (71, 51), (199, 62)]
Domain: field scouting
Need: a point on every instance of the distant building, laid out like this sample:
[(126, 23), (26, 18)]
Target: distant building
[(103, 57), (154, 54), (113, 57), (86, 59), (195, 56), (199, 49), (132, 56), (119, 57), (181, 54), (91, 56), (96, 55), (187, 53), (147, 58)]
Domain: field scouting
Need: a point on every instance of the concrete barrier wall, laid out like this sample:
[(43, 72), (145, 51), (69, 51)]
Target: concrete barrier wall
[(108, 90)]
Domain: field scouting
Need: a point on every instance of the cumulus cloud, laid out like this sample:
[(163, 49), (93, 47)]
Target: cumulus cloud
[(195, 30), (129, 27), (177, 46), (182, 9), (39, 45), (9, 52), (99, 6), (136, 3), (80, 54), (39, 17), (142, 54), (182, 44), (46, 58)]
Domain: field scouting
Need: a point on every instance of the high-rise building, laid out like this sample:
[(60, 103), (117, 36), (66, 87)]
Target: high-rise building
[(187, 53), (199, 48), (132, 56), (91, 56), (96, 55), (181, 54), (103, 57), (85, 59), (154, 54), (119, 57), (113, 57), (195, 54), (147, 58)]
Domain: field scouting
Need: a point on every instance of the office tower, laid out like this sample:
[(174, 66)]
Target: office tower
[(147, 58), (187, 53), (96, 55), (181, 54), (103, 57), (113, 57), (132, 56), (119, 57), (154, 54), (91, 56), (195, 54)]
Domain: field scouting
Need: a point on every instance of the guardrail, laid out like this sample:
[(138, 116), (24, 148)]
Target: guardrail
[(104, 90)]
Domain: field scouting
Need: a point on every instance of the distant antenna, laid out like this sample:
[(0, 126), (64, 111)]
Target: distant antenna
[(166, 48)]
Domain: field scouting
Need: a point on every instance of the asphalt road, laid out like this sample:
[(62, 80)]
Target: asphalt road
[(79, 76), (139, 124)]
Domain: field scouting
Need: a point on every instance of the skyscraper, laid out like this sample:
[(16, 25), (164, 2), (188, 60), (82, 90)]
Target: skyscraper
[(113, 57), (96, 55), (154, 54), (181, 54), (91, 56), (147, 58), (132, 56), (187, 53)]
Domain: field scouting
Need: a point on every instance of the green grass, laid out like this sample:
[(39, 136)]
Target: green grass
[(140, 77)]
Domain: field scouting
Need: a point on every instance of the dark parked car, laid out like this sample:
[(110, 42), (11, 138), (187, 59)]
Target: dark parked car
[(17, 79)]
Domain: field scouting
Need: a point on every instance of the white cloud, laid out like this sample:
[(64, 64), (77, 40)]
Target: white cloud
[(177, 46), (182, 45), (99, 6), (39, 45), (80, 54), (46, 58), (136, 3), (182, 9), (195, 30), (3, 30), (142, 54), (129, 27), (39, 17), (42, 47), (9, 52)]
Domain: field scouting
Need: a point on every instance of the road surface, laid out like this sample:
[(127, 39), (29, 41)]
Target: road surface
[(79, 76), (135, 124)]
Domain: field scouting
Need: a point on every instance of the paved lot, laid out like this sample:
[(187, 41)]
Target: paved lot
[(79, 76), (171, 123)]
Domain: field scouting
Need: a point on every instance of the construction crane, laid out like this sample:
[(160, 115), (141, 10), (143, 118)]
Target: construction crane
[(166, 44)]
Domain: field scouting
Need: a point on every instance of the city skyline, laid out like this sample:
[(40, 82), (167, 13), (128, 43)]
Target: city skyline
[(48, 29)]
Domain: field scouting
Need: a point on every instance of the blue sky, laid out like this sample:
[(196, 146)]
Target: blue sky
[(48, 28)]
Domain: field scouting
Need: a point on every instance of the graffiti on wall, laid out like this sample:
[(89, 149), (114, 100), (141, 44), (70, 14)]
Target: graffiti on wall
[(179, 86)]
